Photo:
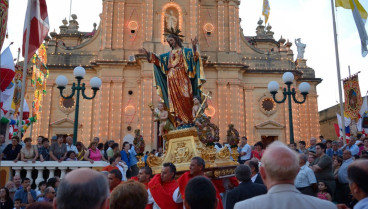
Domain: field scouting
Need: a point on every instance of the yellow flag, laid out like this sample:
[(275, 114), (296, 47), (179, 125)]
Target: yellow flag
[(266, 10), (348, 4)]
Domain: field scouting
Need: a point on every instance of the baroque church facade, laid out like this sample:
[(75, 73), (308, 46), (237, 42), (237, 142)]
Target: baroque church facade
[(238, 69)]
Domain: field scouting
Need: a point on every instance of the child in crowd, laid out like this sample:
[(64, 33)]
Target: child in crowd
[(322, 191), (41, 190), (17, 203), (71, 156)]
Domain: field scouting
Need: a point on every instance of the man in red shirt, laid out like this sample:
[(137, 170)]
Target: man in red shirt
[(144, 176), (161, 189), (196, 168), (114, 178)]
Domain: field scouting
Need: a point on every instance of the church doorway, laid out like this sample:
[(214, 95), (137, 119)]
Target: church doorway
[(266, 140)]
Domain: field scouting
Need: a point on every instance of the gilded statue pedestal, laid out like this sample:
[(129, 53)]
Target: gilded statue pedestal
[(182, 145)]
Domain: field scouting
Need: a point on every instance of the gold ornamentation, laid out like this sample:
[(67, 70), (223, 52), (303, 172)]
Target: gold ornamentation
[(234, 154), (209, 154), (140, 163), (224, 153), (181, 133), (153, 160), (181, 154)]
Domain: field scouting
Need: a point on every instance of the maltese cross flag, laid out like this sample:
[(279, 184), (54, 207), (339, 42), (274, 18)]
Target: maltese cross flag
[(38, 25)]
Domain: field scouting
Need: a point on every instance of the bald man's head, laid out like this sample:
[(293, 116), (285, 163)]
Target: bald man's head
[(280, 162), (83, 189)]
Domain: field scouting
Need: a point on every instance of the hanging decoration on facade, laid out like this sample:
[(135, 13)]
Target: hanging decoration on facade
[(4, 5), (353, 99), (40, 74)]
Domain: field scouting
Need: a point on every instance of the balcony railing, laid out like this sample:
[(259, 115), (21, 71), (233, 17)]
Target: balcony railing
[(8, 169)]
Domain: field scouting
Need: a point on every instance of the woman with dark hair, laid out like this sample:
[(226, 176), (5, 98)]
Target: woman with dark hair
[(5, 200), (12, 151), (125, 156), (81, 150), (258, 150)]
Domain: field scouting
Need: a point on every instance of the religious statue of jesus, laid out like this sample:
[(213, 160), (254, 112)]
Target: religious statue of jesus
[(178, 76)]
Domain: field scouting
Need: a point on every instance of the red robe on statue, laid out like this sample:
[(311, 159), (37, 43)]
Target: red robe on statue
[(183, 181), (162, 192)]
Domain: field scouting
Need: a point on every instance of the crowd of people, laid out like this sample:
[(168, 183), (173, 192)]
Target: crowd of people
[(327, 174)]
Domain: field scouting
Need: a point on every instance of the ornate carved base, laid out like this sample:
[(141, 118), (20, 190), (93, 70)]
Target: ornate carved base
[(183, 145)]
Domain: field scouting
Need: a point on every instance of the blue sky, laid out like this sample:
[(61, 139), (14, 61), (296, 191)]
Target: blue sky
[(310, 20)]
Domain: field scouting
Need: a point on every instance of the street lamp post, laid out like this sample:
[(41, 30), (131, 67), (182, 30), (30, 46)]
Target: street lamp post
[(62, 81), (304, 88)]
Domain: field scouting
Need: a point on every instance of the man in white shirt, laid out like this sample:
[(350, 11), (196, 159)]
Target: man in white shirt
[(70, 146), (245, 151), (305, 181)]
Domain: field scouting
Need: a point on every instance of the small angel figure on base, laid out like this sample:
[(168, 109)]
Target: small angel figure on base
[(162, 116)]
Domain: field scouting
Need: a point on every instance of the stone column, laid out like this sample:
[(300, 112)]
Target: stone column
[(221, 107), (249, 112), (221, 25)]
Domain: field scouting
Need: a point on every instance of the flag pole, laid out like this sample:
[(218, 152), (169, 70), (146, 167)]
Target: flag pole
[(24, 69), (338, 72)]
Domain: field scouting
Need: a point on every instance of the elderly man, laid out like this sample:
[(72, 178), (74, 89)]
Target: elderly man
[(162, 187), (305, 181), (246, 189), (280, 166), (342, 185), (49, 195), (322, 168), (312, 147), (17, 181), (354, 149), (70, 146), (26, 194), (334, 150), (83, 189), (197, 167)]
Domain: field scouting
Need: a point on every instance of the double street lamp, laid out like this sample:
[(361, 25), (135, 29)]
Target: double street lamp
[(304, 88), (79, 73)]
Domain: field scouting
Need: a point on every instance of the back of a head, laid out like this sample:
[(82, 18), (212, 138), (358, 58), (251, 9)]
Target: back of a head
[(200, 193), (243, 173), (280, 162), (130, 195), (358, 172), (83, 189)]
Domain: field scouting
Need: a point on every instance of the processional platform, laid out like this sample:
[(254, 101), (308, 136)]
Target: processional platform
[(183, 144)]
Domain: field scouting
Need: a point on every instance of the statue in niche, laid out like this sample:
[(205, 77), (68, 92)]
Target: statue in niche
[(301, 48), (171, 20)]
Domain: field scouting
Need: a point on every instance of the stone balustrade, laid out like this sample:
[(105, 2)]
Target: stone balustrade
[(8, 169)]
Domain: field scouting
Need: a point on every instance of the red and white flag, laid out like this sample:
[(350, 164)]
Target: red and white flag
[(38, 24), (6, 69)]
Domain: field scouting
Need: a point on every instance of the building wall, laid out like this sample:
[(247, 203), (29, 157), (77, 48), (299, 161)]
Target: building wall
[(237, 73)]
